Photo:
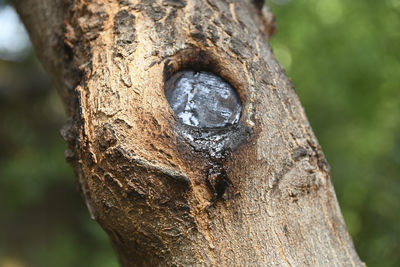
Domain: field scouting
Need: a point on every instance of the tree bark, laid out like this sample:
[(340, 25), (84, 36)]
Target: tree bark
[(162, 190)]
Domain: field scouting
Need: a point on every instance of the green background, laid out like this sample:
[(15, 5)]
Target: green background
[(344, 60)]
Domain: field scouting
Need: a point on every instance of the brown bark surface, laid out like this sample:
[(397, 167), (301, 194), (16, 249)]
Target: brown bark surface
[(164, 198)]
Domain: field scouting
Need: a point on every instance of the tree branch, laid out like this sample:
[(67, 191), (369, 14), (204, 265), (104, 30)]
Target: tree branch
[(149, 180)]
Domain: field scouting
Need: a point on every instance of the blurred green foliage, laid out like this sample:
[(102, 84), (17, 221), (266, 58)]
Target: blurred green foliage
[(43, 220), (344, 59)]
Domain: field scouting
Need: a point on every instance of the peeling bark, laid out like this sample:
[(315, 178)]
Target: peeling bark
[(256, 193)]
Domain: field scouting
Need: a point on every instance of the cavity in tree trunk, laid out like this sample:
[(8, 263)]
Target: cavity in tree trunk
[(189, 142)]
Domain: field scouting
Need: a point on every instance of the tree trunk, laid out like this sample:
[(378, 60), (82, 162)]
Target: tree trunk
[(255, 193)]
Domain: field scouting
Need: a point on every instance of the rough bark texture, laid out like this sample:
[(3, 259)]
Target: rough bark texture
[(161, 190)]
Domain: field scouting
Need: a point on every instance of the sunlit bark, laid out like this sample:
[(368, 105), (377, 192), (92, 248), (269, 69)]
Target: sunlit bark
[(253, 192)]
